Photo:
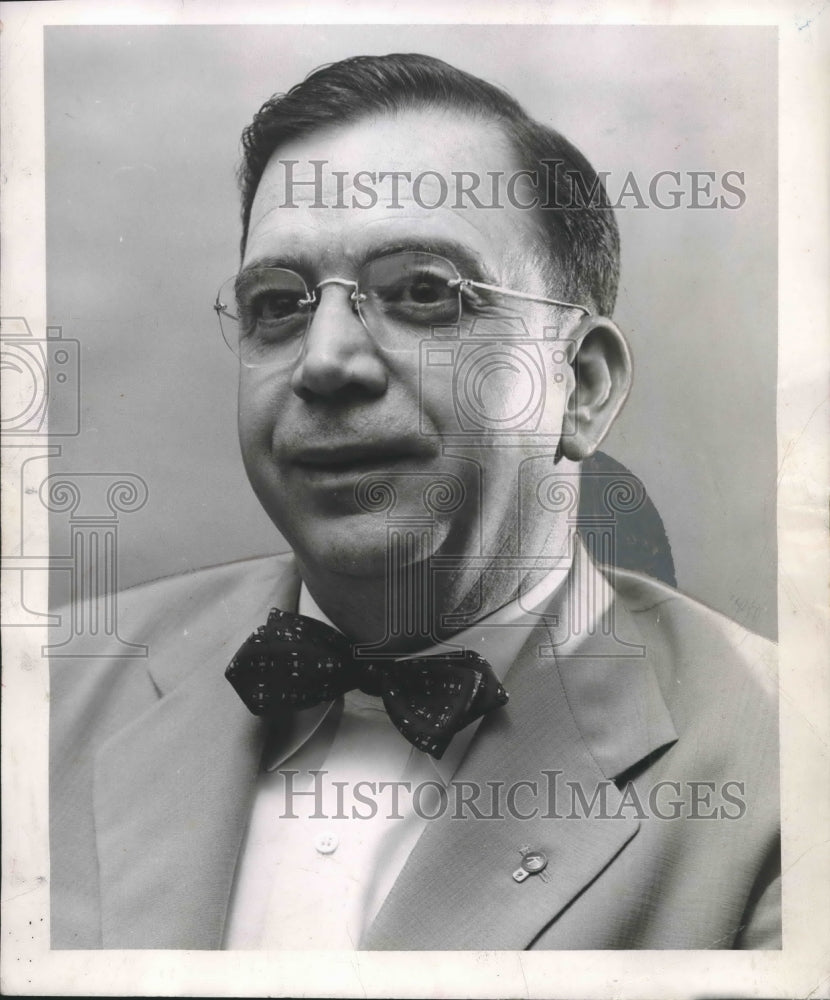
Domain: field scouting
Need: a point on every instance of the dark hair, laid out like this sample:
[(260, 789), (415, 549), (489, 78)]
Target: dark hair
[(580, 229)]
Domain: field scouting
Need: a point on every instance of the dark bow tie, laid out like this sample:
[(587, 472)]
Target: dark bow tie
[(298, 662)]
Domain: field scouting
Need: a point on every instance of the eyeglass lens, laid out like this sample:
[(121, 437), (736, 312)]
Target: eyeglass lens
[(265, 312)]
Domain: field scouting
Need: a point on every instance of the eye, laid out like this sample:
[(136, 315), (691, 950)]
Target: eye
[(426, 289), (270, 302), (410, 288), (275, 306)]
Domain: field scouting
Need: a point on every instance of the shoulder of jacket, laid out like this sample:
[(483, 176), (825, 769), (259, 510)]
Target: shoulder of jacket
[(160, 614), (698, 639), (205, 579)]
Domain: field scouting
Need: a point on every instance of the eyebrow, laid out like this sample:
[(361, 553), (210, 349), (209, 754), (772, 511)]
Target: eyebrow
[(469, 263)]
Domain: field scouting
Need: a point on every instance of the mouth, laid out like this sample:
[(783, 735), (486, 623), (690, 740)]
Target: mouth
[(348, 459)]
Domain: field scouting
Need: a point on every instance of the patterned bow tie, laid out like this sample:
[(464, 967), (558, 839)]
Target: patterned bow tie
[(299, 662)]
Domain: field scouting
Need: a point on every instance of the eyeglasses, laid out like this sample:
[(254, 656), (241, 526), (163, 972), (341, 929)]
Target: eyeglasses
[(264, 313)]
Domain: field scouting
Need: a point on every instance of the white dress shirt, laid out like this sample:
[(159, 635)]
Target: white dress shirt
[(322, 850)]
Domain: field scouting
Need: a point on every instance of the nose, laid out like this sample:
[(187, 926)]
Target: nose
[(338, 352)]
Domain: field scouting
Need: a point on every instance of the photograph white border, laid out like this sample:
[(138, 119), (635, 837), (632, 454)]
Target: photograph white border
[(802, 967)]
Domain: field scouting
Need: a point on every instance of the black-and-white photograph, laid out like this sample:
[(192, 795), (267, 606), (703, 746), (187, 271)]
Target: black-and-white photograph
[(405, 414)]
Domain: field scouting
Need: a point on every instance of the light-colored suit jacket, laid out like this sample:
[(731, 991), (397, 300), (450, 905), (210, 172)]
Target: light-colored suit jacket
[(154, 764)]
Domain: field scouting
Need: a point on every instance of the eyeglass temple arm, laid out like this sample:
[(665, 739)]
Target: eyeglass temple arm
[(468, 283)]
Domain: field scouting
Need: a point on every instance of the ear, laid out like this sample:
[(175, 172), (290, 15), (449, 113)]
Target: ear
[(602, 379)]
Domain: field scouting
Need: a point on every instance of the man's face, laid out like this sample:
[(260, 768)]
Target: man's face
[(349, 406)]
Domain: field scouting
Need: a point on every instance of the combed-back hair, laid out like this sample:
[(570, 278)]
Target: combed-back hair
[(576, 218)]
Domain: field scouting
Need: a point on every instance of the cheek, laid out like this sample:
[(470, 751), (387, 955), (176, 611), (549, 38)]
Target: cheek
[(553, 413), (489, 390), (258, 405), (436, 405)]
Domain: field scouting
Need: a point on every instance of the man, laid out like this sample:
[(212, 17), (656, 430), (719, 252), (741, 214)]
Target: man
[(471, 738)]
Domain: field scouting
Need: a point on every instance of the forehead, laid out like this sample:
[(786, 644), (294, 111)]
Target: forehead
[(331, 198)]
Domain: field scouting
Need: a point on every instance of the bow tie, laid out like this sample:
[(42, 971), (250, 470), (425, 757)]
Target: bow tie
[(299, 662)]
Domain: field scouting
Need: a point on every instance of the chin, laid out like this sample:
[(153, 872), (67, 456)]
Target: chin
[(362, 546)]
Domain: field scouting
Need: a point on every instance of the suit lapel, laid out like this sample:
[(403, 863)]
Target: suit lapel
[(456, 890), (463, 866), (173, 793), (173, 789), (172, 799)]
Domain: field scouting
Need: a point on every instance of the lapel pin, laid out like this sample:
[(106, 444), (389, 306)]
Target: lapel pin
[(533, 863)]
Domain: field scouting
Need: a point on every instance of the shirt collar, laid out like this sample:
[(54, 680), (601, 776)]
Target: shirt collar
[(497, 637), (607, 668)]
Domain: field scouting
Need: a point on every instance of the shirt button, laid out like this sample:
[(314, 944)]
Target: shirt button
[(326, 843)]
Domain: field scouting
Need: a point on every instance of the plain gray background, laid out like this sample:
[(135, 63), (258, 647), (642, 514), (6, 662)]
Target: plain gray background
[(142, 130)]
